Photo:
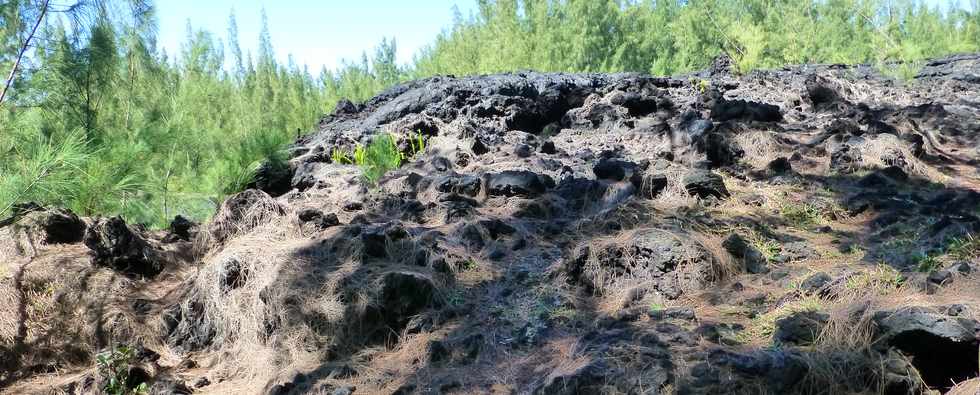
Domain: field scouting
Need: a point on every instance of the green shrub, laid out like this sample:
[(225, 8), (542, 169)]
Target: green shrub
[(469, 264), (114, 368), (379, 157)]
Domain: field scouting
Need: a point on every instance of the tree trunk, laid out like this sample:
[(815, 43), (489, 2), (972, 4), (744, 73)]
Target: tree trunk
[(23, 49)]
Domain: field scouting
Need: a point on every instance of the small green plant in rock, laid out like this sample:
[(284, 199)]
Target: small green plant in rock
[(966, 247), (563, 313), (802, 215), (768, 247), (340, 157), (469, 264), (114, 368), (656, 307), (700, 85), (926, 263), (762, 327), (418, 145), (455, 297), (902, 71), (379, 157), (881, 280)]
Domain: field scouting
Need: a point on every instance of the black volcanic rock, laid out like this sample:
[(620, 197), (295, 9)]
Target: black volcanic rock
[(518, 183)]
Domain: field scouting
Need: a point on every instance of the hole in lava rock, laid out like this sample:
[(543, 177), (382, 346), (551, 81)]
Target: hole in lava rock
[(941, 361)]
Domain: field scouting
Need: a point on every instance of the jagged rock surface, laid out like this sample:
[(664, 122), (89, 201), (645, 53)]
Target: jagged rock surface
[(597, 233)]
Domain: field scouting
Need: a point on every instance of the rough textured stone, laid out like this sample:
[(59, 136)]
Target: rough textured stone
[(122, 248)]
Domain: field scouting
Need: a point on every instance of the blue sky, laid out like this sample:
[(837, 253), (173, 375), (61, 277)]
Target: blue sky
[(315, 32), (323, 32)]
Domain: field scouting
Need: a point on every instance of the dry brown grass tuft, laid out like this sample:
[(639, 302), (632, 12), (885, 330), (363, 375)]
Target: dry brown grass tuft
[(235, 218), (241, 289), (760, 147), (844, 346), (724, 265), (969, 387), (277, 302), (674, 196), (630, 280), (887, 150), (58, 310), (566, 357)]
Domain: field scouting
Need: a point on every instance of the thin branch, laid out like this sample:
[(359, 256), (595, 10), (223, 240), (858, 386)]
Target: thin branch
[(23, 49)]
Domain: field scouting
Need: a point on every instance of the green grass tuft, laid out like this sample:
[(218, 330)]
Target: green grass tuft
[(967, 247), (380, 156), (802, 215)]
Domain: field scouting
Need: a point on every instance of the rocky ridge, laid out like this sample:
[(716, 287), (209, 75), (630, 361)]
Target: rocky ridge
[(796, 230)]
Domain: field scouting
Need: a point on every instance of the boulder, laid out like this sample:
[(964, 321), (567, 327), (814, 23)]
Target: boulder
[(752, 259), (317, 218), (821, 92), (612, 169), (521, 183), (780, 370), (942, 348), (887, 177), (780, 165), (652, 185), (673, 263), (704, 184), (636, 104), (726, 110), (459, 184), (720, 149), (522, 151), (940, 277), (496, 228), (182, 227), (471, 237), (800, 328), (585, 379), (580, 193), (120, 247), (345, 106), (241, 212), (815, 283), (796, 251), (548, 148), (698, 127), (845, 159), (440, 164), (376, 239), (723, 66), (618, 170), (274, 178), (54, 226)]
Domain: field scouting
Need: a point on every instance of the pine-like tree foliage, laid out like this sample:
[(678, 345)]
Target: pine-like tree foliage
[(101, 121), (671, 36)]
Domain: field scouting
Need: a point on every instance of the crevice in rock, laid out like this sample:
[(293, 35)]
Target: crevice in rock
[(941, 361)]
